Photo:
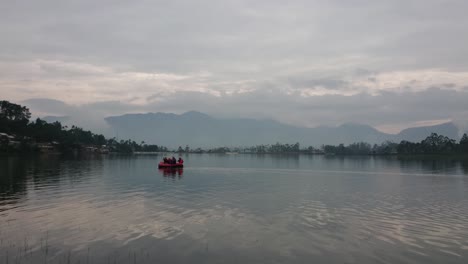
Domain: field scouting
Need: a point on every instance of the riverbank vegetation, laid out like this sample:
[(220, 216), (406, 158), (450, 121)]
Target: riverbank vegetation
[(18, 133), (434, 144)]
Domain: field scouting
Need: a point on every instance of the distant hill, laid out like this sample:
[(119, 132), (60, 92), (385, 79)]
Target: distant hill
[(200, 130), (416, 134), (52, 119)]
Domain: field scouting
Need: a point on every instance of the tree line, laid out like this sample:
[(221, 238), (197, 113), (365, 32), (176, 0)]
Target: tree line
[(19, 133), (15, 120), (433, 144)]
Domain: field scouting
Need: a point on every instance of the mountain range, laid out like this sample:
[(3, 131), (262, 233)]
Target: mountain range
[(200, 130)]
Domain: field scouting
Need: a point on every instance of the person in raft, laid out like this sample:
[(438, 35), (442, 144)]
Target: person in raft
[(172, 160)]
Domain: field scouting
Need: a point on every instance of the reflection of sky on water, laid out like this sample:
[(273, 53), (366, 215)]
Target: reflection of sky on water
[(279, 208)]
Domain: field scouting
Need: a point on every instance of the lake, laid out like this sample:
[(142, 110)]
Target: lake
[(233, 209)]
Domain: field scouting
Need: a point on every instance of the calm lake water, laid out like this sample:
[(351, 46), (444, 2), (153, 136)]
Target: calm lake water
[(233, 209)]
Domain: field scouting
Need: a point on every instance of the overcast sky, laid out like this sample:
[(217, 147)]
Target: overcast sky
[(391, 64)]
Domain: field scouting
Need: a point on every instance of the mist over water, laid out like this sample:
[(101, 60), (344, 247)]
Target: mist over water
[(233, 209)]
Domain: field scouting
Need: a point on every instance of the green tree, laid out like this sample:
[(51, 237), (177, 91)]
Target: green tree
[(329, 149), (13, 118), (437, 144), (42, 131), (464, 144), (296, 147)]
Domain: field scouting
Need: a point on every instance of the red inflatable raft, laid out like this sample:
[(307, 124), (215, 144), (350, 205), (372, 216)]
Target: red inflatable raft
[(166, 165)]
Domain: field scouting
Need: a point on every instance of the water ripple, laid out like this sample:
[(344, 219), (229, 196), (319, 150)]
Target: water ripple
[(124, 208)]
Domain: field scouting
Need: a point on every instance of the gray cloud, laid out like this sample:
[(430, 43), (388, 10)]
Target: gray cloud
[(387, 109), (328, 83), (231, 35), (304, 62)]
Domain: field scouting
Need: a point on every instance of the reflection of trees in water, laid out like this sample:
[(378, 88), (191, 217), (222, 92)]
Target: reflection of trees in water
[(285, 160), (18, 173), (12, 179), (433, 165), (439, 165), (464, 166), (346, 162), (287, 156)]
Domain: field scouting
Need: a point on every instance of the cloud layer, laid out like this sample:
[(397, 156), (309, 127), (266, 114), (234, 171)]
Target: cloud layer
[(391, 64), (387, 111)]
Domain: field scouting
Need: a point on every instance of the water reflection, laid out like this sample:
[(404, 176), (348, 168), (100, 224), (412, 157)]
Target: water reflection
[(464, 166), (233, 209), (433, 166), (20, 175), (172, 172), (12, 182)]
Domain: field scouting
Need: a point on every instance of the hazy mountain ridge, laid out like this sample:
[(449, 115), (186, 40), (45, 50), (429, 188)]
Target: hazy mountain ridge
[(418, 133), (52, 119), (200, 130)]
